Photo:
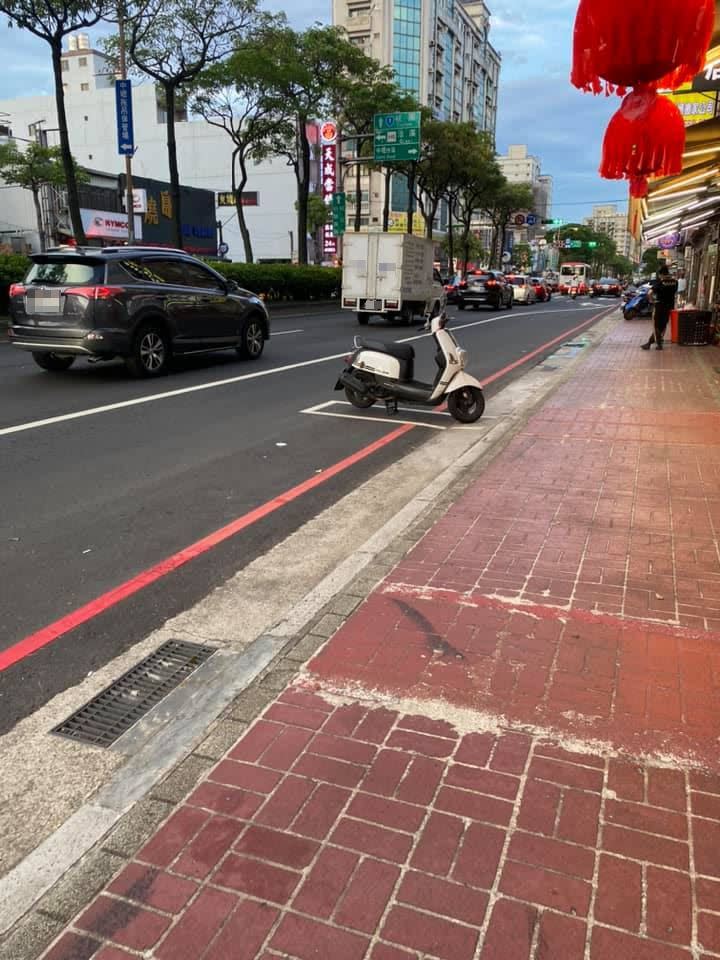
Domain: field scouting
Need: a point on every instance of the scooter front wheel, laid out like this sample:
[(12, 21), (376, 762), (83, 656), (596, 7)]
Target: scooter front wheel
[(467, 404), (357, 399)]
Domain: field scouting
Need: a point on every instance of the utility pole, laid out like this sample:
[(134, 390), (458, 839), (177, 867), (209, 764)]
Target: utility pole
[(129, 195)]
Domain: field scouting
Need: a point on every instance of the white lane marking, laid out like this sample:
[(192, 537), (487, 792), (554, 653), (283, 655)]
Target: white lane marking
[(213, 384), (284, 333), (319, 410)]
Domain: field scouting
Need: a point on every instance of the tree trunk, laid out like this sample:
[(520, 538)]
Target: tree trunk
[(39, 219), (411, 196), (170, 92), (303, 179), (503, 236), (451, 241), (239, 208), (386, 205), (73, 198), (358, 191), (466, 245), (430, 219)]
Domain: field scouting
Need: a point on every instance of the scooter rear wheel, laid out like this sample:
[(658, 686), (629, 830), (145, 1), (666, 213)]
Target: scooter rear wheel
[(467, 404), (360, 400)]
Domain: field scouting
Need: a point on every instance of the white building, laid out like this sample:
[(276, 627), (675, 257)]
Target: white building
[(613, 222), (204, 154), (441, 53)]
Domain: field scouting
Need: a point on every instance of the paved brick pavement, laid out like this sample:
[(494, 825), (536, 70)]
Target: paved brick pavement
[(510, 750)]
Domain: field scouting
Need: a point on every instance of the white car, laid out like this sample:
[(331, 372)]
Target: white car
[(523, 290)]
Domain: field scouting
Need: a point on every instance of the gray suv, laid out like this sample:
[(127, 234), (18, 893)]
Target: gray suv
[(142, 304)]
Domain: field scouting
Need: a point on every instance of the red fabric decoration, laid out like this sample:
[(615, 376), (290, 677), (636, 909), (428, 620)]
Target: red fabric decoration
[(623, 43), (645, 138)]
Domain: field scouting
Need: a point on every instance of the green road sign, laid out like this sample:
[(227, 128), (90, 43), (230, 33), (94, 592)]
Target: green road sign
[(339, 214), (397, 136)]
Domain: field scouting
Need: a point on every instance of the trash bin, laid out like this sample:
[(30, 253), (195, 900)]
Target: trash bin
[(674, 314), (694, 327)]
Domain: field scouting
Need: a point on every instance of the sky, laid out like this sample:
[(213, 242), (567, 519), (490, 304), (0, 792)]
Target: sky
[(537, 104)]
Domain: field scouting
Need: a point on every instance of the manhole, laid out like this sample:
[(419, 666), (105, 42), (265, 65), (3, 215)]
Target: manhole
[(108, 715)]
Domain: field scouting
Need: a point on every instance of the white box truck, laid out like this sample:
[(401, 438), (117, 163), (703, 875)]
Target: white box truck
[(389, 275)]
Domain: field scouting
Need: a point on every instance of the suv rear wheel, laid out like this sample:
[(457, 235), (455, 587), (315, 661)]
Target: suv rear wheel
[(252, 340), (150, 352), (51, 361)]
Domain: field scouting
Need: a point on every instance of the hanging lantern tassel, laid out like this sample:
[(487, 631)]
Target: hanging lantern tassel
[(618, 44), (645, 138)]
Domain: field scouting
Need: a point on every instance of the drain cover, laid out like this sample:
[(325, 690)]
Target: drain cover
[(108, 715)]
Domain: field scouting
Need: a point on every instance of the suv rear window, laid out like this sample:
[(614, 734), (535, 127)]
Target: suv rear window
[(479, 277), (66, 273)]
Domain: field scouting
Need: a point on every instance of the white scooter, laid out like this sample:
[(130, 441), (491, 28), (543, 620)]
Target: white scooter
[(384, 371)]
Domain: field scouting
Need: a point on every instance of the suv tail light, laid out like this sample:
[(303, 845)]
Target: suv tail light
[(94, 293), (17, 290), (491, 283)]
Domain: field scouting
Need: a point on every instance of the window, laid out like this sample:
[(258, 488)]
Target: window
[(66, 272), (82, 61), (65, 66), (197, 276), (156, 271), (84, 87)]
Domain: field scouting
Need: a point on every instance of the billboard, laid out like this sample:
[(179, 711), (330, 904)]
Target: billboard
[(199, 228), (695, 107)]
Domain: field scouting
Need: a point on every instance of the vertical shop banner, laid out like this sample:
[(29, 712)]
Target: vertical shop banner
[(328, 181)]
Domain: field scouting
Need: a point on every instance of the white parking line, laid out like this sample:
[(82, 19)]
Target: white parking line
[(227, 381), (319, 410)]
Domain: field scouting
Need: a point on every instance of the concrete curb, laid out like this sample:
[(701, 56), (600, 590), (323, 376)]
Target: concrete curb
[(196, 724)]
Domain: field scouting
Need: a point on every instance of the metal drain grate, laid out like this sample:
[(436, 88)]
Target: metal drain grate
[(108, 715)]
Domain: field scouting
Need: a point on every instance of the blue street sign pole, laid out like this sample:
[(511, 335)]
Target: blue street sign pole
[(124, 117)]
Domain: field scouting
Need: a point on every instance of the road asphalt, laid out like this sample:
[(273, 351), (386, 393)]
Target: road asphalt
[(94, 497)]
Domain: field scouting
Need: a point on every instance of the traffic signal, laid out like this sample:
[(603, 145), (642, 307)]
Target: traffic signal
[(592, 243)]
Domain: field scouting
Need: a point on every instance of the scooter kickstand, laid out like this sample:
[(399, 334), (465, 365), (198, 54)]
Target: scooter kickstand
[(391, 406)]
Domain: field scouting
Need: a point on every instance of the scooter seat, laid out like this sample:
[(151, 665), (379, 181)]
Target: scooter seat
[(401, 351)]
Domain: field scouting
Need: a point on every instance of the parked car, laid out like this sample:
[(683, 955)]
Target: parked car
[(485, 288), (542, 289), (143, 304), (523, 290), (606, 287)]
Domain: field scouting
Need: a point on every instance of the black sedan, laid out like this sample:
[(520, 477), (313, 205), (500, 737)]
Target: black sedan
[(487, 288)]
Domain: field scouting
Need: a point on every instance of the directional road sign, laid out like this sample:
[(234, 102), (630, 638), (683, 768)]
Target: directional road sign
[(338, 214), (123, 111), (397, 136)]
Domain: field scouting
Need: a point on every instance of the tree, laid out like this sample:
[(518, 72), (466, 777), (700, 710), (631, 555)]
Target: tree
[(598, 249), (478, 179), (522, 255), (651, 261), (305, 74), (318, 214), (359, 101), (446, 150), (52, 21), (509, 199), (474, 250), (172, 42), (33, 169), (227, 101)]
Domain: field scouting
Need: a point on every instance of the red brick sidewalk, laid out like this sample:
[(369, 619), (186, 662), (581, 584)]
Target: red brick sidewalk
[(510, 751)]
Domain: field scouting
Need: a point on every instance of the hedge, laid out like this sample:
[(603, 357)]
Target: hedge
[(13, 267), (283, 281), (272, 281)]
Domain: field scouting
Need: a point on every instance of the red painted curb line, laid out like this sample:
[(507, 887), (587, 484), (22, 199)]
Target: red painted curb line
[(41, 638)]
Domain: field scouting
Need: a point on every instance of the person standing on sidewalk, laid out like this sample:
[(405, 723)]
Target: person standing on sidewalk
[(663, 291)]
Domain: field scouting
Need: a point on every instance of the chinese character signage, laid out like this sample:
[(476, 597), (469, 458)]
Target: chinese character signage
[(197, 211), (123, 111), (248, 198), (328, 181)]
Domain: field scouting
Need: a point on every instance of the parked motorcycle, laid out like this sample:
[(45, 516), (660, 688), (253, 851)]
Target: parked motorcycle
[(638, 305), (384, 371)]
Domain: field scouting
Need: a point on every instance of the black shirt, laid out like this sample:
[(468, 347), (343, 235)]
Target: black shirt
[(664, 291)]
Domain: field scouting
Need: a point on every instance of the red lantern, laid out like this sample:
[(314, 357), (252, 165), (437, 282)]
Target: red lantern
[(646, 137), (611, 51)]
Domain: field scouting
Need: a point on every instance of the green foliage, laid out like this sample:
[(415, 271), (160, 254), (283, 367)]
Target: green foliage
[(522, 255), (35, 166), (13, 267), (651, 261), (476, 253), (603, 257), (283, 281)]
